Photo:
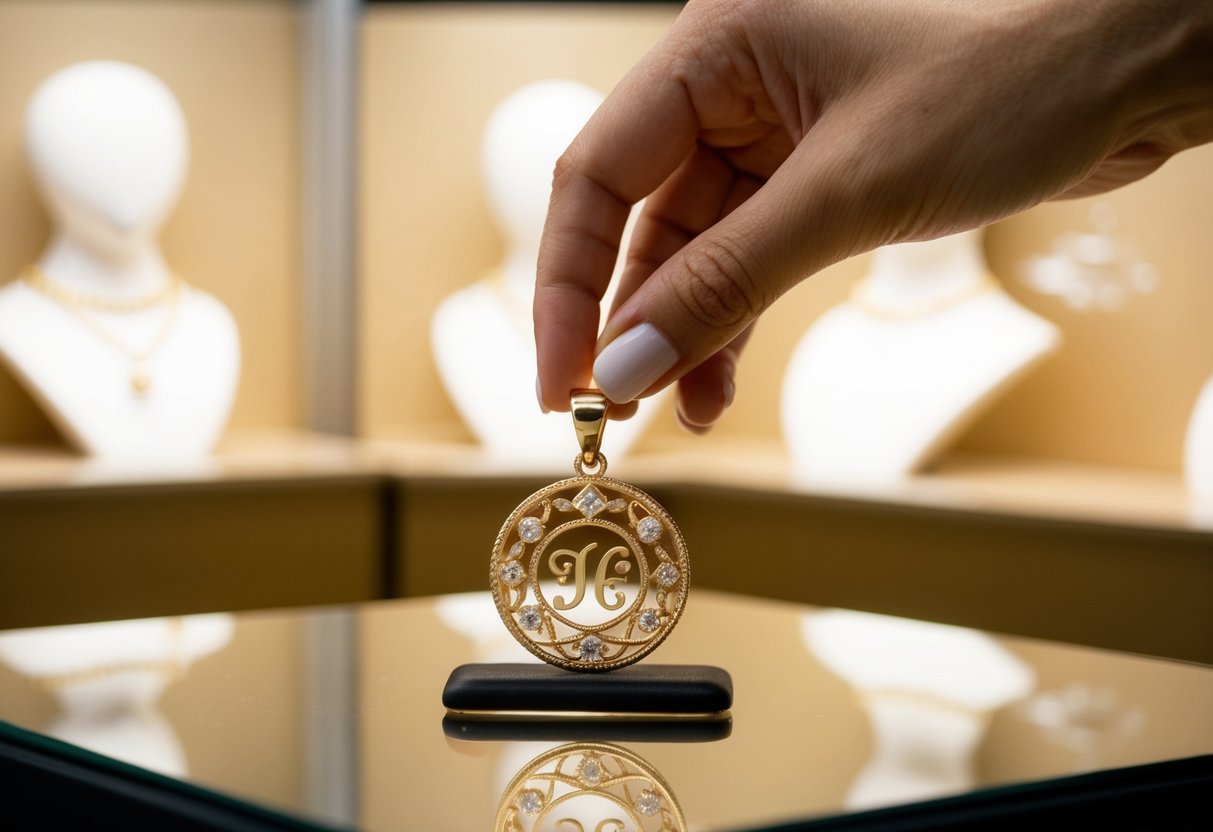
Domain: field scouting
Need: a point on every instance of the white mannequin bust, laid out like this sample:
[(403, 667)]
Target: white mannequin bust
[(482, 335), (108, 147), (927, 689), (1198, 455), (108, 678), (880, 384)]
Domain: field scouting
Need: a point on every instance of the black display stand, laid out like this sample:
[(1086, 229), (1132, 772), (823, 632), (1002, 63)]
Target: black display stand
[(636, 691)]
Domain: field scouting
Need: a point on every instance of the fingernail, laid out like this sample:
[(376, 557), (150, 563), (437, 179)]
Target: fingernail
[(730, 392), (632, 362), (539, 395)]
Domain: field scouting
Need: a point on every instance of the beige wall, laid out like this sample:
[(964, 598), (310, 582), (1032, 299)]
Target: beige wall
[(1119, 392), (234, 67)]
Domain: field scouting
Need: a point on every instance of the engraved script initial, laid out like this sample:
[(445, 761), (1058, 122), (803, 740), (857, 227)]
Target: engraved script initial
[(576, 565)]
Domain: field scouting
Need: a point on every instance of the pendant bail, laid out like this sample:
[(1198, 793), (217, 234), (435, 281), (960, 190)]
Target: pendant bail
[(589, 409)]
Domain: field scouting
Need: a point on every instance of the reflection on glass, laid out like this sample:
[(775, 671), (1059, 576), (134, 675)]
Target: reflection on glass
[(928, 691), (107, 679), (1087, 721), (588, 787)]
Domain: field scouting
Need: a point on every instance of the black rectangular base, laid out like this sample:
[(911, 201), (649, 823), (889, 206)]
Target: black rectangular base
[(635, 691)]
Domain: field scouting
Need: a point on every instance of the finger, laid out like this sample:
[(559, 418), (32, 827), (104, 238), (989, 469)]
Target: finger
[(636, 139), (714, 287), (708, 390), (687, 203)]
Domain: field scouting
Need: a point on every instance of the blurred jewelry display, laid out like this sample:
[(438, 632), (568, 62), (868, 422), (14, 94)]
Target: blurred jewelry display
[(84, 306), (880, 385), (1090, 270), (590, 573), (589, 787), (482, 334)]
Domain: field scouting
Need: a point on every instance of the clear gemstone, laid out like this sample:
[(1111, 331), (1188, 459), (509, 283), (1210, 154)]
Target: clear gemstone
[(618, 504), (562, 504), (511, 573), (590, 649), (529, 618), (649, 620), (590, 771), (667, 574), (589, 501), (648, 803), (516, 549), (530, 529), (531, 802), (649, 529)]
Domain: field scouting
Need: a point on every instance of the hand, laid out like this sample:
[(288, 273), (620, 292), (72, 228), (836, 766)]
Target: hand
[(776, 137)]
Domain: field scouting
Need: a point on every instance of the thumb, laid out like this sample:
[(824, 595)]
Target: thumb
[(702, 298)]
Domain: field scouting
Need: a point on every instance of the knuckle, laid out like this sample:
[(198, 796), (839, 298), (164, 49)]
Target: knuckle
[(716, 287), (565, 165)]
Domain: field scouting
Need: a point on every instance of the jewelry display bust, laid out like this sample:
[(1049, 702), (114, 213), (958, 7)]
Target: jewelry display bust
[(125, 358), (482, 335), (928, 690), (881, 383), (1198, 454), (108, 678)]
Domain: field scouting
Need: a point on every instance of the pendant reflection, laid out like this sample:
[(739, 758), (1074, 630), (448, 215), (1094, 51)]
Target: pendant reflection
[(588, 787)]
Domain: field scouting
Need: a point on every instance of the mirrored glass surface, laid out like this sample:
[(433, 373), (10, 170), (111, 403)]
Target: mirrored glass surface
[(335, 714)]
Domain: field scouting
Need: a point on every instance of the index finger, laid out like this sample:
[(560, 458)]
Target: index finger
[(636, 139)]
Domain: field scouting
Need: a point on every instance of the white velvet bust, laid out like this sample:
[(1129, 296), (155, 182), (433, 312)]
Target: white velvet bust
[(881, 383), (482, 335), (108, 148)]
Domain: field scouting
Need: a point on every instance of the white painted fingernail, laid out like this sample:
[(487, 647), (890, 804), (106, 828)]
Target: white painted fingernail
[(539, 395), (632, 362)]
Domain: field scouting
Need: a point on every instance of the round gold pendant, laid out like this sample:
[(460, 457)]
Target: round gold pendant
[(590, 786), (590, 573)]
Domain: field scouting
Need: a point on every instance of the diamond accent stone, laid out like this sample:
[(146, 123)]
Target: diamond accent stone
[(618, 504), (590, 772), (649, 620), (529, 618), (530, 802), (590, 649), (667, 575), (511, 573), (561, 504), (589, 501), (649, 529), (648, 803), (530, 529), (516, 549)]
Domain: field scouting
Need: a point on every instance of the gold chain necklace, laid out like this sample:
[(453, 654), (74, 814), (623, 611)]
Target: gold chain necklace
[(82, 306), (37, 278), (921, 309)]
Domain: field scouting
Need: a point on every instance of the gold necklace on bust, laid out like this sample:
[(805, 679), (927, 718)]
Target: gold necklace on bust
[(922, 309), (82, 307)]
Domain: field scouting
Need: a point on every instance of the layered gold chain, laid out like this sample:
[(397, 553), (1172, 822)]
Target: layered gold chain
[(83, 307)]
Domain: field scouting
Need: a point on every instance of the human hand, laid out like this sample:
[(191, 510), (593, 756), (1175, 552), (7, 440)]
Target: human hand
[(776, 137)]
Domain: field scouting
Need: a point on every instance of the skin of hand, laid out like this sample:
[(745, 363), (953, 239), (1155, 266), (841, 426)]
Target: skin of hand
[(773, 138)]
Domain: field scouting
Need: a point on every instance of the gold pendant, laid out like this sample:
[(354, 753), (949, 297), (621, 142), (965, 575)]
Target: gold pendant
[(594, 787), (590, 573), (141, 382)]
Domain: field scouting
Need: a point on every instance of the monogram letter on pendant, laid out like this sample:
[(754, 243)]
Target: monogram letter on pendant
[(601, 582)]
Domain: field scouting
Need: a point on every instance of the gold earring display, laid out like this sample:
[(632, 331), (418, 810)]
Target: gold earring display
[(589, 786), (590, 573)]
